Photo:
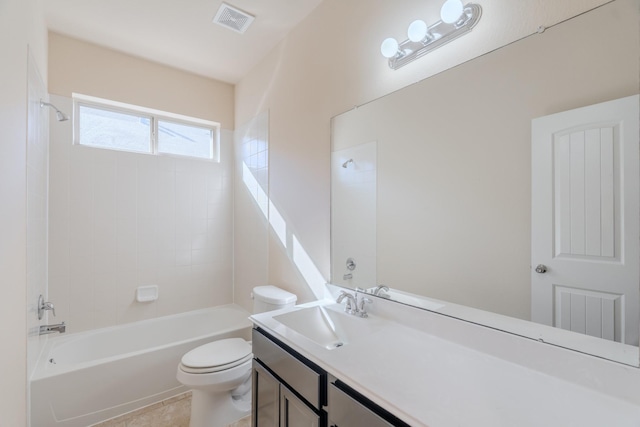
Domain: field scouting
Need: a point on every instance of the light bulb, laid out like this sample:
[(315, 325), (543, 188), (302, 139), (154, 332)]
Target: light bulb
[(389, 47), (417, 31), (451, 11)]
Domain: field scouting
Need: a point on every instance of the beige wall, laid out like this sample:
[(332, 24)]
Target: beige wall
[(81, 67), (21, 28), (454, 173), (330, 63)]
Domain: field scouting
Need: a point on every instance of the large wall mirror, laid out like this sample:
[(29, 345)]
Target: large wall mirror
[(432, 188)]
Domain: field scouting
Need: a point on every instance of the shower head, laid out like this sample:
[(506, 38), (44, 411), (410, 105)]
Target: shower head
[(345, 164), (60, 116)]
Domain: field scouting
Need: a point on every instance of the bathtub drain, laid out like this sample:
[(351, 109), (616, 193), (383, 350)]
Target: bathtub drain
[(52, 361)]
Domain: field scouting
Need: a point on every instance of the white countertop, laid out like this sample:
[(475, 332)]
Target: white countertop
[(426, 380)]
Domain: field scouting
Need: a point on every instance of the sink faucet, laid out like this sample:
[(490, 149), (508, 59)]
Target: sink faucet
[(50, 329), (350, 306), (361, 300), (355, 304), (381, 291), (361, 310)]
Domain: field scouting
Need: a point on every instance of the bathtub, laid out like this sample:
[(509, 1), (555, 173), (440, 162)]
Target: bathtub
[(88, 377)]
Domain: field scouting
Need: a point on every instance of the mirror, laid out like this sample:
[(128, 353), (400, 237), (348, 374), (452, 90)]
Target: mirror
[(432, 185)]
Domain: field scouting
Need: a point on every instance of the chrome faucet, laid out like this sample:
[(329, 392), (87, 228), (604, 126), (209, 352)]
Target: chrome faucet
[(361, 300), (355, 304), (381, 291), (44, 306), (361, 312), (50, 329), (350, 306)]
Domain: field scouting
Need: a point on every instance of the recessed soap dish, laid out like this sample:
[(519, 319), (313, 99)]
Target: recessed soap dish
[(147, 293)]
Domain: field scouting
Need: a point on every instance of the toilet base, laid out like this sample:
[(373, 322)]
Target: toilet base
[(216, 409)]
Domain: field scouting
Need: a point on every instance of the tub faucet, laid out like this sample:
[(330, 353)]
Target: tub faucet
[(44, 306), (50, 329)]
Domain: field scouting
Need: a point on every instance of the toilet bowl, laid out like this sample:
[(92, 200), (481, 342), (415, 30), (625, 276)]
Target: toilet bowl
[(219, 373)]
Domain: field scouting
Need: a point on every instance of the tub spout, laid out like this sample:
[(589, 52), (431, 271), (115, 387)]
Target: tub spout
[(49, 329)]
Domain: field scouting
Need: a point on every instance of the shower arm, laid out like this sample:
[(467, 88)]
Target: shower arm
[(59, 114)]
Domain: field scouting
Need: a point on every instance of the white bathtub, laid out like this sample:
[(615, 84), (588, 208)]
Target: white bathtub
[(88, 377)]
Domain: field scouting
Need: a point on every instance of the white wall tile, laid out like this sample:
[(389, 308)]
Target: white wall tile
[(122, 220), (201, 256), (36, 212), (59, 245), (166, 234), (249, 238), (147, 235), (59, 294), (104, 297), (183, 258), (104, 190)]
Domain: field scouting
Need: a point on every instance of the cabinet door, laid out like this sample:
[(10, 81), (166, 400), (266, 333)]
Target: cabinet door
[(346, 411), (294, 412), (266, 398)]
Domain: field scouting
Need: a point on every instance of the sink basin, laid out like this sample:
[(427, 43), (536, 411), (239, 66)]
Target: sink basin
[(327, 326)]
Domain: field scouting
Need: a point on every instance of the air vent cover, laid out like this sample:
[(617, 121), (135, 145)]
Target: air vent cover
[(233, 18)]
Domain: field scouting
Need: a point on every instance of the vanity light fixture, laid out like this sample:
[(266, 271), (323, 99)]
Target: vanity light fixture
[(456, 20)]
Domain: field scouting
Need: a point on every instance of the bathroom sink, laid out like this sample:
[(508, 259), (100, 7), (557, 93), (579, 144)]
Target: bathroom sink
[(327, 326)]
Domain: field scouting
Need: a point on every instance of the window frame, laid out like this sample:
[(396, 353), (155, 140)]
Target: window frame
[(154, 116)]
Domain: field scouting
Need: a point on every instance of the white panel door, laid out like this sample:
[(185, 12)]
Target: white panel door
[(585, 254)]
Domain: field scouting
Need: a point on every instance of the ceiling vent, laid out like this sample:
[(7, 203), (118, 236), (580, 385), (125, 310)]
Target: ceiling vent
[(233, 18)]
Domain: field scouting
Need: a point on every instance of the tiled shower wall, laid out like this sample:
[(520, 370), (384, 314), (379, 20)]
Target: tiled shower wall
[(251, 239), (121, 220), (37, 153)]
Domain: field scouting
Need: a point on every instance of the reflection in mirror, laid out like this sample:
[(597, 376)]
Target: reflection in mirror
[(432, 188)]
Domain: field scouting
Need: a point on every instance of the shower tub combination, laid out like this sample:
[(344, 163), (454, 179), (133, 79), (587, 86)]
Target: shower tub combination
[(85, 378)]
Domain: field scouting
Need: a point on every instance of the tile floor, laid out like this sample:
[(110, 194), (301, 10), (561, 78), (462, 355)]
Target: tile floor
[(173, 412)]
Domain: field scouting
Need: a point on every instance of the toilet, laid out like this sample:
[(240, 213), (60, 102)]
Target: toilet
[(219, 373)]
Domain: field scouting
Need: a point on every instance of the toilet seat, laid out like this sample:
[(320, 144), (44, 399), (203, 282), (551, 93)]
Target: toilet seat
[(216, 356), (219, 368)]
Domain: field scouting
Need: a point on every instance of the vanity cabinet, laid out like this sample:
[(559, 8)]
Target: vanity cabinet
[(291, 391), (266, 397), (295, 413), (288, 389), (348, 408)]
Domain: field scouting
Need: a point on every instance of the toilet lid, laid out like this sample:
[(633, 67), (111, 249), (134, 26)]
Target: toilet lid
[(223, 353), (211, 369)]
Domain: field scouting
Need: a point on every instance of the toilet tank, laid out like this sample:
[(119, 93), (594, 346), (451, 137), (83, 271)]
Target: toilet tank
[(268, 298)]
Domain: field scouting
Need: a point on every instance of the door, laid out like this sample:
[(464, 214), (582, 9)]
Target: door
[(585, 220), (266, 398), (294, 412)]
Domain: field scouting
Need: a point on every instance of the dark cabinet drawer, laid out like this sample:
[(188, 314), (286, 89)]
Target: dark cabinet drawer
[(301, 376), (348, 408)]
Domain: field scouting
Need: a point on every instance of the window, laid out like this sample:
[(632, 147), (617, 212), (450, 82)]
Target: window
[(103, 128), (117, 126)]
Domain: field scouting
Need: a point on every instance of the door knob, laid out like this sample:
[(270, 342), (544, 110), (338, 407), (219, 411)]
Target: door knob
[(541, 268)]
